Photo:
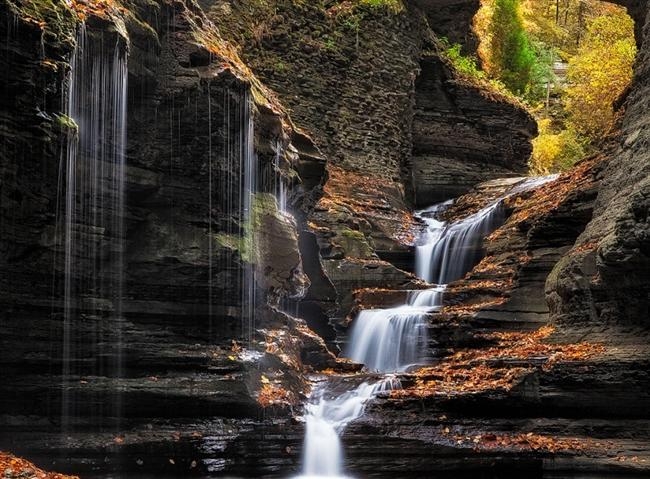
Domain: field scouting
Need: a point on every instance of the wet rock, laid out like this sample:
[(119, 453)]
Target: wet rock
[(276, 254)]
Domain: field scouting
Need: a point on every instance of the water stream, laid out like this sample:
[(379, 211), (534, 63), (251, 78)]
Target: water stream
[(327, 416), (91, 224), (391, 340)]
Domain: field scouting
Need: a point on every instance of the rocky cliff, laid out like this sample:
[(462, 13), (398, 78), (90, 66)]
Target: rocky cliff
[(189, 340), (333, 63), (604, 281), (565, 397), (354, 110)]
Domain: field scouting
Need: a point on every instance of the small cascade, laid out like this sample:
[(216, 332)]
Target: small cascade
[(327, 416), (91, 223), (248, 188), (234, 189), (280, 186), (394, 339), (447, 251)]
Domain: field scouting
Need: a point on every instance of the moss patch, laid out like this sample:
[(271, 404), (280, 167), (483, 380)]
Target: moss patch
[(57, 21), (262, 205)]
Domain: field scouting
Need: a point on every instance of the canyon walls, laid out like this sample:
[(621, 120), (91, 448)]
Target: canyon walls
[(604, 279), (353, 115)]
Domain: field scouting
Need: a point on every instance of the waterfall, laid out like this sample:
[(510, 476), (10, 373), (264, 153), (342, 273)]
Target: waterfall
[(446, 252), (280, 186), (248, 188), (392, 340), (93, 187), (327, 416), (395, 339), (242, 177)]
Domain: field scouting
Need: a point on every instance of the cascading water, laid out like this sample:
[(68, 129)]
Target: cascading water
[(93, 216), (385, 340), (448, 251), (327, 416), (392, 340), (395, 339), (236, 188), (280, 186), (248, 188)]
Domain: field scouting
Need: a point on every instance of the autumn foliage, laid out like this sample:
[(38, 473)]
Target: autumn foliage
[(522, 442), (599, 72), (568, 60), (360, 197), (12, 467), (487, 369), (99, 8), (271, 394)]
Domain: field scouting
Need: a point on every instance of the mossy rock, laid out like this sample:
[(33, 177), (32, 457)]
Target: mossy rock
[(57, 21), (354, 243)]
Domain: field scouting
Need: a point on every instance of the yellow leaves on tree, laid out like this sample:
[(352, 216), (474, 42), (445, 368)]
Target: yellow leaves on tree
[(599, 72), (555, 151)]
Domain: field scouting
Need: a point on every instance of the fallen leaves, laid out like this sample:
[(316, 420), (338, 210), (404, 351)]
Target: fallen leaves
[(496, 368), (357, 199), (550, 196), (468, 309), (12, 467), (99, 8), (450, 378), (274, 395), (521, 442), (285, 346), (525, 345)]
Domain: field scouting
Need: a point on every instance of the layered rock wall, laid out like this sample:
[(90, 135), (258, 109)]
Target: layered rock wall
[(463, 134), (604, 280), (181, 327), (370, 85)]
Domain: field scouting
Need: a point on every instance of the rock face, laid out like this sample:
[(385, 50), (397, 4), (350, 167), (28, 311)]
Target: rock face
[(502, 394), (183, 345), (604, 280), (452, 19), (520, 255), (210, 367), (496, 135), (405, 151)]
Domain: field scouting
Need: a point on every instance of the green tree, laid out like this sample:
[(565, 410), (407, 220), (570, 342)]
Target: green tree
[(511, 56)]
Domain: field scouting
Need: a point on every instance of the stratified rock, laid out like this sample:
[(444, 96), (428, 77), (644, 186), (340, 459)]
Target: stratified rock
[(495, 135), (387, 115), (274, 250), (605, 279), (453, 20), (182, 347)]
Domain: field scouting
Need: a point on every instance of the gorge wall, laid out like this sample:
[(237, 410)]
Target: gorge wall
[(356, 110), (604, 281), (181, 345), (333, 63)]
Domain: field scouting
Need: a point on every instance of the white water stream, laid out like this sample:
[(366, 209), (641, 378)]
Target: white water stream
[(395, 339), (92, 187), (327, 416)]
